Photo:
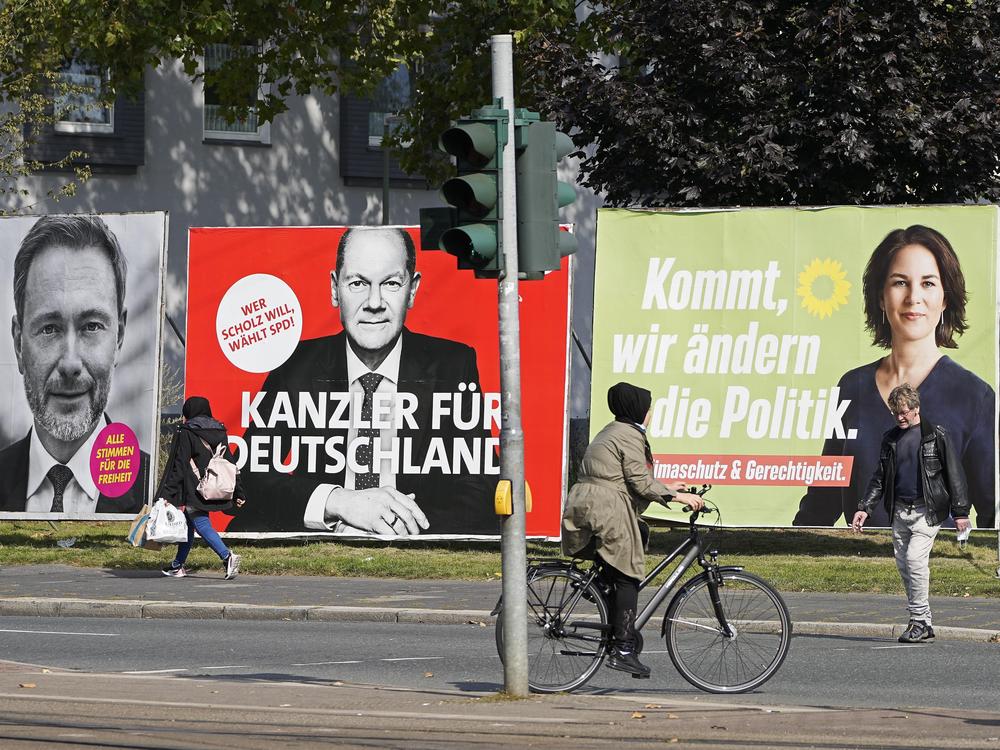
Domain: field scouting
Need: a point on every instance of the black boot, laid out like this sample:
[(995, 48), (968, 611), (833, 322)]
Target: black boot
[(623, 658)]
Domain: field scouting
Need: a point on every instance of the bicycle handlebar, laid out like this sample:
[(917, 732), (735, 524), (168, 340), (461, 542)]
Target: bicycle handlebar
[(700, 492)]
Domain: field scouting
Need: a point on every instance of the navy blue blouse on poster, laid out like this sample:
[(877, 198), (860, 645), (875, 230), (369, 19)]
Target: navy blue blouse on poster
[(950, 396)]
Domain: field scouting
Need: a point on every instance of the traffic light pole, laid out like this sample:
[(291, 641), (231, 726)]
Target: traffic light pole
[(513, 552)]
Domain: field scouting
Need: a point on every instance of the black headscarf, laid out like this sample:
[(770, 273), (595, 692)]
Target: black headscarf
[(196, 406), (630, 404)]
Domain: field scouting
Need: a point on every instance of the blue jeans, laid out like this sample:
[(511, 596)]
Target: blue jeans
[(198, 520)]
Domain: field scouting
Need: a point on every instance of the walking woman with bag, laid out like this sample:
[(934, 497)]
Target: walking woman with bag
[(195, 443)]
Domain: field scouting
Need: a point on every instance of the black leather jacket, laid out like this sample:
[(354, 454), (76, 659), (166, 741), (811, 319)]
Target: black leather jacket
[(943, 478)]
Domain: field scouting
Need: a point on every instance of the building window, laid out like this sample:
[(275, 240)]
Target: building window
[(392, 95), (362, 124), (216, 127), (79, 107)]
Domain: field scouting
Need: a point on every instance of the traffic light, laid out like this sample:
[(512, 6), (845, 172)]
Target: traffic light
[(471, 228), (475, 234), (541, 245)]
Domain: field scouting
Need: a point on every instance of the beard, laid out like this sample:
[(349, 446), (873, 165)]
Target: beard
[(67, 427)]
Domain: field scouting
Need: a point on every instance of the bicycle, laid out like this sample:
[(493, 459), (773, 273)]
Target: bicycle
[(726, 630)]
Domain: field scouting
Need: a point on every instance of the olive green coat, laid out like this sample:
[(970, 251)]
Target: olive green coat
[(614, 487)]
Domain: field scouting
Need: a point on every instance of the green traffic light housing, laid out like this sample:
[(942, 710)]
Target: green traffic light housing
[(472, 142), (475, 193), (541, 245)]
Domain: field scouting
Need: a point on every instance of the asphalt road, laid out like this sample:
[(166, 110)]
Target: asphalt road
[(819, 671)]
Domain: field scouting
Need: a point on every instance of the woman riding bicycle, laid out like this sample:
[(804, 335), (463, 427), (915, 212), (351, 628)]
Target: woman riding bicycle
[(616, 484)]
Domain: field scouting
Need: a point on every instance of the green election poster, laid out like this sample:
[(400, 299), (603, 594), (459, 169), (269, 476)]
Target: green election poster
[(770, 339)]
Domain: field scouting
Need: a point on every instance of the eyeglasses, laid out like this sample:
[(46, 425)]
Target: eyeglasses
[(905, 412)]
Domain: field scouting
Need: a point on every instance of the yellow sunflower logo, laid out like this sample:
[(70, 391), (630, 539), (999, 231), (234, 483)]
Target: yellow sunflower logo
[(823, 287)]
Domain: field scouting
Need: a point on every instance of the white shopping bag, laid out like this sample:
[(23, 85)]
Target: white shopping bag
[(167, 524)]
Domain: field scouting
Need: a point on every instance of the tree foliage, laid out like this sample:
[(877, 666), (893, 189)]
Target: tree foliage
[(304, 46), (781, 102), (26, 98), (722, 102)]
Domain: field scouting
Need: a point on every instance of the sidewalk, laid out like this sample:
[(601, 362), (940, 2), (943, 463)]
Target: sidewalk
[(57, 708), (60, 590)]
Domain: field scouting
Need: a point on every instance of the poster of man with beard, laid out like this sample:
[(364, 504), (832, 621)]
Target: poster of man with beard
[(79, 371)]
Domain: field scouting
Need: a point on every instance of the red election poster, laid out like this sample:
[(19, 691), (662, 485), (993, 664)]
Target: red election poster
[(359, 381)]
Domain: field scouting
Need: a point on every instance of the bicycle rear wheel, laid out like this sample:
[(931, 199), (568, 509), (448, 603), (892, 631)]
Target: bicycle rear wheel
[(716, 662), (567, 630)]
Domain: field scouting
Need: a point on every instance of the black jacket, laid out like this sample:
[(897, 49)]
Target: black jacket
[(179, 483), (942, 475), (14, 481)]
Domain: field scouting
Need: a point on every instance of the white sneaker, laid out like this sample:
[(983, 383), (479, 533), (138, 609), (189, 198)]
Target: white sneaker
[(232, 566)]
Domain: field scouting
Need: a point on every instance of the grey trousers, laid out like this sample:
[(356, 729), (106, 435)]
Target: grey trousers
[(912, 539)]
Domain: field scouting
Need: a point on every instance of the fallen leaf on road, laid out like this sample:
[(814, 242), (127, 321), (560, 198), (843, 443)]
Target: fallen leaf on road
[(652, 705), (716, 726), (672, 716), (46, 671), (638, 715), (27, 685), (428, 674)]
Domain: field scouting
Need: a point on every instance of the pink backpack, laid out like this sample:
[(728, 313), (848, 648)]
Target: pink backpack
[(219, 480)]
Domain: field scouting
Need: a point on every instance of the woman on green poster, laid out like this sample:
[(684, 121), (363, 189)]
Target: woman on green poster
[(915, 297)]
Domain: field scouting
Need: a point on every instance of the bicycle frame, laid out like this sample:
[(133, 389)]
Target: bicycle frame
[(691, 548)]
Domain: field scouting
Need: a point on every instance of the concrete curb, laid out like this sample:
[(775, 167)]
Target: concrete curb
[(160, 610)]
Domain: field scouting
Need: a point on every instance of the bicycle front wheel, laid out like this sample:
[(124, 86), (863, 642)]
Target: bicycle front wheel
[(746, 657), (567, 627)]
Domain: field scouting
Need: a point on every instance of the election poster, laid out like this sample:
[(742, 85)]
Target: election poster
[(79, 369), (771, 338), (359, 380)]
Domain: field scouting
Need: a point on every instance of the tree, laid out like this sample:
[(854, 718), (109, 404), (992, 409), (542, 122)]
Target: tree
[(26, 98), (724, 102), (779, 102), (302, 46)]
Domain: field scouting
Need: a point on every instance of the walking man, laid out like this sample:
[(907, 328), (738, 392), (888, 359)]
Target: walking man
[(919, 480)]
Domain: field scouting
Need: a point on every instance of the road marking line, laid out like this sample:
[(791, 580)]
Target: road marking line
[(321, 663), (227, 666), (901, 645), (413, 658), (56, 632), (154, 671)]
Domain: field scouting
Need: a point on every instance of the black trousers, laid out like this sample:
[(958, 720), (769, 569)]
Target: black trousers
[(624, 602)]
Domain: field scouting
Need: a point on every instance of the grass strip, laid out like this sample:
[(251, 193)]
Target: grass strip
[(828, 560)]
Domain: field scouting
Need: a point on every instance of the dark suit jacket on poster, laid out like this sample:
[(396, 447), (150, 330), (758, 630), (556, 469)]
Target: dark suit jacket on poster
[(14, 482), (453, 503)]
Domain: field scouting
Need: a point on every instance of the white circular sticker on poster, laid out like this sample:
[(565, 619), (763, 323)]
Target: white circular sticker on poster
[(259, 322)]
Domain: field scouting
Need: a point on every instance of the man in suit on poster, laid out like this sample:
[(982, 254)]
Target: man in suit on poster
[(68, 329), (386, 368)]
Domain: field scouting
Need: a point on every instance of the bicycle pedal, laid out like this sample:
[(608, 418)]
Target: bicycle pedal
[(639, 676)]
